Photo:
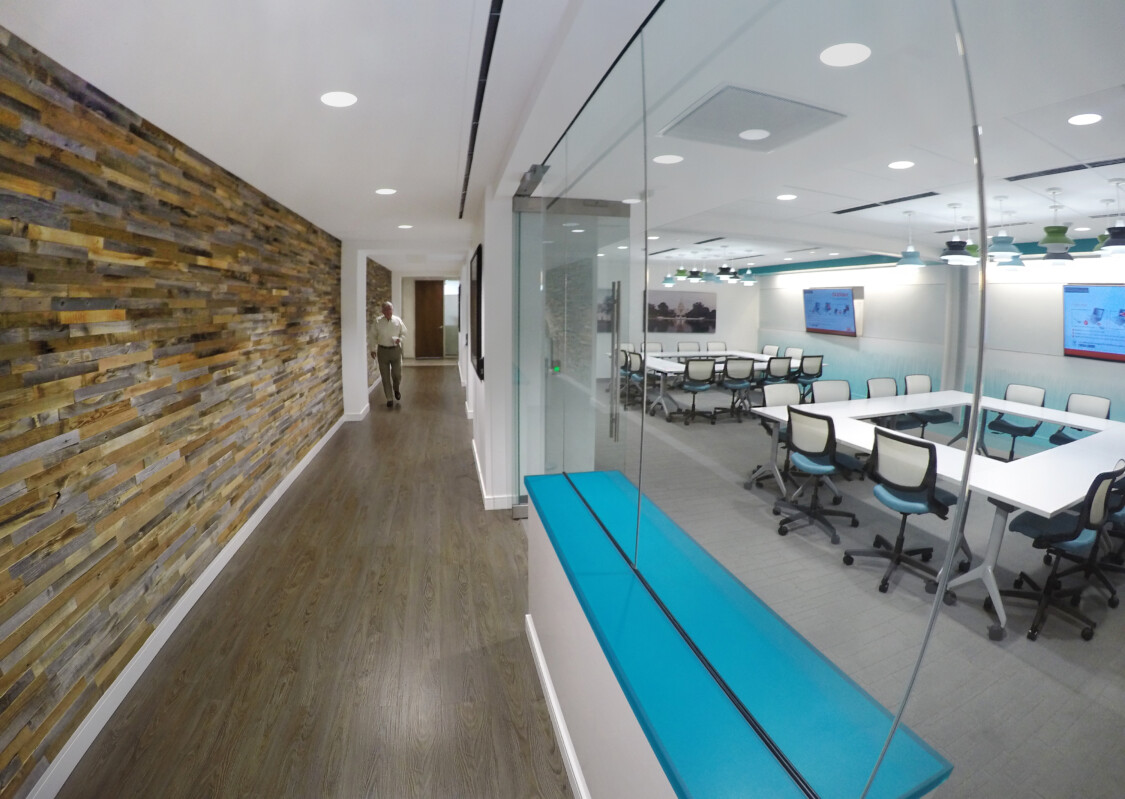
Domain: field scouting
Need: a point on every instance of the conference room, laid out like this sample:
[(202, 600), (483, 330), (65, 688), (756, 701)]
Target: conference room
[(823, 183)]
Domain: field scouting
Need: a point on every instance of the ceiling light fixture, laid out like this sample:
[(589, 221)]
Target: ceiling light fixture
[(1085, 119), (668, 159), (1055, 239), (338, 99), (726, 274), (955, 252), (1002, 247), (786, 197), (746, 276), (1115, 244), (754, 134), (405, 227), (631, 201), (910, 256), (681, 273), (622, 246), (669, 281), (653, 238), (847, 54), (578, 230), (386, 192), (695, 276), (900, 164)]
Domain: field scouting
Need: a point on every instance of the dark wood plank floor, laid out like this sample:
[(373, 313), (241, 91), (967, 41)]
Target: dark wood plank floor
[(367, 641)]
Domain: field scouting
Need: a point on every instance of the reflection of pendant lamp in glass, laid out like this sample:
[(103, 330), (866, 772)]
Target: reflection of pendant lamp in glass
[(1002, 248), (1056, 241), (1115, 243), (955, 253), (910, 256), (669, 281)]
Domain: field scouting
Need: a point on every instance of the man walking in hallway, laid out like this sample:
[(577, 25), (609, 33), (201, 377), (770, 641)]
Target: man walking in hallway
[(387, 333)]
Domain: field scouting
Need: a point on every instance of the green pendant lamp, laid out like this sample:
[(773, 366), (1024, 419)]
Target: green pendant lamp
[(681, 273), (1056, 241)]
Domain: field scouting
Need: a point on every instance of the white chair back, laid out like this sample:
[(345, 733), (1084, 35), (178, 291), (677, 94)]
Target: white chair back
[(776, 394), (831, 391), (716, 346), (794, 352), (808, 432), (687, 346), (811, 365), (1028, 395), (739, 368), (918, 384), (778, 367), (700, 370), (1088, 405), (770, 350), (903, 463), (882, 387)]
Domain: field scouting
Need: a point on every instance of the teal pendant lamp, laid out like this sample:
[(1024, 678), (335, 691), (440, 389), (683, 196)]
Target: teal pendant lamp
[(910, 256), (1056, 241), (955, 252), (1002, 249), (1114, 244), (669, 281), (746, 276)]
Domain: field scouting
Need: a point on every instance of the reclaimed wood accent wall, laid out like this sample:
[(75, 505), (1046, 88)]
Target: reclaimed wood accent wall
[(378, 292), (169, 350)]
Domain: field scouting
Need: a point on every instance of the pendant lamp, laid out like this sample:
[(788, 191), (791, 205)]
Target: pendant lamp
[(695, 276), (669, 280), (1002, 247), (910, 256), (1115, 243), (726, 274), (1056, 241), (955, 253), (746, 276), (681, 273)]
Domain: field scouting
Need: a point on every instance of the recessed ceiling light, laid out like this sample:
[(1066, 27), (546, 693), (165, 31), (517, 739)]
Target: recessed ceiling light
[(338, 99), (631, 201), (1085, 119), (668, 159), (787, 259), (601, 255), (622, 246), (833, 253), (900, 164), (405, 227), (845, 55), (570, 224), (653, 238), (754, 134), (578, 230), (386, 191), (786, 197), (1081, 229)]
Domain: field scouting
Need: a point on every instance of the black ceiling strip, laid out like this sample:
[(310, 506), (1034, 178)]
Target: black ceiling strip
[(659, 252), (1064, 169), (1109, 162), (906, 199), (482, 81), (708, 241), (857, 208), (756, 725)]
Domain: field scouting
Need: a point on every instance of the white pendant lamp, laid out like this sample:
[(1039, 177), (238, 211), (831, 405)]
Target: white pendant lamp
[(910, 256)]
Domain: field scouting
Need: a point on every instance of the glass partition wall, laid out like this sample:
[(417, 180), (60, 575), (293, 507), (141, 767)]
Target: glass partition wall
[(804, 147)]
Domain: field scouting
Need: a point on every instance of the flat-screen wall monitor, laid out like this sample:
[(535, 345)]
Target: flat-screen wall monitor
[(1094, 321), (830, 311)]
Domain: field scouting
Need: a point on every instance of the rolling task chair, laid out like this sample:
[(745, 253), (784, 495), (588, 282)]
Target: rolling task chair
[(812, 367), (794, 354), (812, 449), (920, 384), (775, 395), (699, 376), (905, 474), (716, 346), (1087, 404), (831, 391), (687, 346), (736, 380), (1028, 395), (1068, 536), (770, 350)]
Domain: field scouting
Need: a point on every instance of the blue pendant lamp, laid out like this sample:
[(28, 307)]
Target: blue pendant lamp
[(955, 252), (1002, 249), (910, 256), (1114, 244), (1056, 241), (746, 276), (669, 281)]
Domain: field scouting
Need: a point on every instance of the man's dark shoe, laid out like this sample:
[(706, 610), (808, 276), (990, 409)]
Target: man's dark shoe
[(390, 403), (397, 395)]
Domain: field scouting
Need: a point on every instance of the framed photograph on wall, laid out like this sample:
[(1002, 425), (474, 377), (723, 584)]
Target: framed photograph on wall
[(681, 311), (474, 311)]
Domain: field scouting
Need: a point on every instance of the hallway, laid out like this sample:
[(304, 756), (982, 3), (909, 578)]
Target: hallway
[(366, 641)]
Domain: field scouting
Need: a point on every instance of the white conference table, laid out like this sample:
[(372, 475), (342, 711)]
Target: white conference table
[(665, 364), (1045, 483)]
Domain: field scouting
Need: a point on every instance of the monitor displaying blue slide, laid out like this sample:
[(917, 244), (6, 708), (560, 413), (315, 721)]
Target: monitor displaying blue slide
[(830, 311), (1094, 322)]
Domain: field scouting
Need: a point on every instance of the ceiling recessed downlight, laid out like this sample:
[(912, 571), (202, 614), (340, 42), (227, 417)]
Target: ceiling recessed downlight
[(338, 99), (653, 238), (622, 246), (900, 164), (631, 201), (1081, 229), (847, 54), (386, 192), (578, 230), (833, 253), (1085, 119), (787, 258), (754, 134), (786, 197), (601, 255), (405, 227), (668, 159)]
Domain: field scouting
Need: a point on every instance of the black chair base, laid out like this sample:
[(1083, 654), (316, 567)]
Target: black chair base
[(812, 515), (739, 405), (913, 559), (1049, 596), (691, 413)]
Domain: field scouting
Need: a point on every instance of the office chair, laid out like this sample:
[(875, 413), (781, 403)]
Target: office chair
[(687, 346), (716, 346), (628, 348), (777, 371), (736, 380), (811, 439), (905, 474), (831, 391), (636, 377), (652, 346), (1087, 404), (625, 385), (812, 367), (886, 387), (770, 350), (699, 376), (794, 354), (1028, 395), (920, 384), (1068, 536), (775, 395)]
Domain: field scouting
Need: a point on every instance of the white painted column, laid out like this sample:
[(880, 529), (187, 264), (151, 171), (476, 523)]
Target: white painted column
[(353, 330)]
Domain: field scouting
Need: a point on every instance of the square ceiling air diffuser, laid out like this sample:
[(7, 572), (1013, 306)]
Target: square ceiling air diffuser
[(750, 120)]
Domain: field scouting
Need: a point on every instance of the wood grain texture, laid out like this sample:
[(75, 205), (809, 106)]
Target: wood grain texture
[(169, 350), (367, 641)]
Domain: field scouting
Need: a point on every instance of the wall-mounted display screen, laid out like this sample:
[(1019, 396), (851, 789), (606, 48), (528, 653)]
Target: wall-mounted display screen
[(830, 311), (1094, 321)]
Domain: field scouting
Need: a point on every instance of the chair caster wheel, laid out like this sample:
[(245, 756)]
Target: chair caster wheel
[(782, 530), (1113, 601), (855, 522), (950, 598), (927, 556), (652, 412), (835, 539), (712, 421), (1087, 633), (686, 422), (776, 512), (837, 500), (668, 419), (739, 420), (1017, 583), (1034, 634), (931, 587), (996, 633), (848, 560), (883, 586), (963, 566), (988, 606), (1047, 560)]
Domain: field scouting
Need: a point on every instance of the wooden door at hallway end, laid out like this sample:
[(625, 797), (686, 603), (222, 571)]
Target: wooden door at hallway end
[(429, 339)]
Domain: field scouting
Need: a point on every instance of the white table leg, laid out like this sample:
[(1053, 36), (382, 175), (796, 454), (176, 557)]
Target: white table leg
[(770, 469), (986, 570)]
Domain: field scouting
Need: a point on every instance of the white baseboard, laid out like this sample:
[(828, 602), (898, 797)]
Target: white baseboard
[(562, 735), (491, 501), (359, 416), (468, 410), (53, 779)]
